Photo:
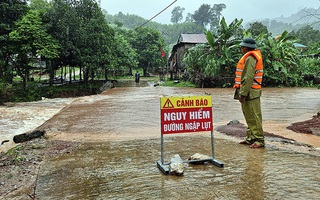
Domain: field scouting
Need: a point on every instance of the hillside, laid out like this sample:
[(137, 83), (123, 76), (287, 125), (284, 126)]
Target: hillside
[(306, 16)]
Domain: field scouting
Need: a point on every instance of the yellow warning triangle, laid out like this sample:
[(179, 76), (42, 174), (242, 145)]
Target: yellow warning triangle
[(168, 104)]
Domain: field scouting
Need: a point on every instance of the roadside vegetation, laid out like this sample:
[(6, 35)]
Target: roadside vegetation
[(61, 48)]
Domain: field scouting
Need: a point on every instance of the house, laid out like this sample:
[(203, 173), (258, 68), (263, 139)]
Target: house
[(185, 42)]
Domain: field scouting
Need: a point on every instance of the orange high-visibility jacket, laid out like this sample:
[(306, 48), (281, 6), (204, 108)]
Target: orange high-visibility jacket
[(256, 84)]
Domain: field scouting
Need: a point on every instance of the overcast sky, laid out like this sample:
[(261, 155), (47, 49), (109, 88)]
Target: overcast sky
[(247, 10)]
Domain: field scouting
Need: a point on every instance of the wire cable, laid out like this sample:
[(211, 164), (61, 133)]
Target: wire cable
[(156, 14)]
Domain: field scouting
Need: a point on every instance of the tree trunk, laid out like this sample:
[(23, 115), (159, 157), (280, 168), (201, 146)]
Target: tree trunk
[(80, 73), (51, 72), (92, 72), (28, 136), (74, 73), (70, 74), (86, 75), (106, 74)]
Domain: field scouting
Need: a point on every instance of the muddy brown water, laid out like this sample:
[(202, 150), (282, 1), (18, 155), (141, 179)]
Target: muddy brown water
[(119, 135)]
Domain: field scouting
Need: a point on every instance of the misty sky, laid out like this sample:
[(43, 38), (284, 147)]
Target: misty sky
[(248, 10)]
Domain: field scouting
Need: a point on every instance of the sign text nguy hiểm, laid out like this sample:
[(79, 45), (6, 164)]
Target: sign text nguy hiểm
[(186, 114)]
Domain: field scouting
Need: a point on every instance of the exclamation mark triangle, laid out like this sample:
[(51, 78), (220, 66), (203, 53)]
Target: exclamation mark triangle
[(168, 104)]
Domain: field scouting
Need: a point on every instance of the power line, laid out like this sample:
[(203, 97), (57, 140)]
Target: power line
[(157, 14)]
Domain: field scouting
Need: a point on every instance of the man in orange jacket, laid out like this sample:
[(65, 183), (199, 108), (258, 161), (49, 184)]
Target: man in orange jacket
[(248, 82)]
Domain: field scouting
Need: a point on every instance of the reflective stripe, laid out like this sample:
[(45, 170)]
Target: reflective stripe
[(258, 70)]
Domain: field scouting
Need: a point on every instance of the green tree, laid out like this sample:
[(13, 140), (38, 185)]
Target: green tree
[(147, 43), (204, 15), (95, 37), (31, 40), (176, 14), (217, 9), (171, 32), (41, 5), (64, 26), (125, 56), (307, 35), (85, 37), (258, 28), (208, 15), (11, 11)]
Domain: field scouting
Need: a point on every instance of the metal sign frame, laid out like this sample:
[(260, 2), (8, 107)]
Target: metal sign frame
[(186, 106)]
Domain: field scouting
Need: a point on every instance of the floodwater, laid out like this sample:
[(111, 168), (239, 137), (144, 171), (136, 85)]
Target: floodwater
[(18, 118), (127, 170), (119, 135)]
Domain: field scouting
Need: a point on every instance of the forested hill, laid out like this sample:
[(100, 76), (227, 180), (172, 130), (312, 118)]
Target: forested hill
[(171, 32), (306, 16)]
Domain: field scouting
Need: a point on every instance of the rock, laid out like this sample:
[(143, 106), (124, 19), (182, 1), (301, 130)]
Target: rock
[(316, 80), (198, 156), (28, 136), (9, 104), (176, 166), (108, 85), (233, 122)]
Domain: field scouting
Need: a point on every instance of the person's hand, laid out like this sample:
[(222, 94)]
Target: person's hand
[(242, 99)]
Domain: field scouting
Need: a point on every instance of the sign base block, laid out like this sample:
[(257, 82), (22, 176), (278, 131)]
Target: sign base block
[(217, 163), (164, 168), (166, 171)]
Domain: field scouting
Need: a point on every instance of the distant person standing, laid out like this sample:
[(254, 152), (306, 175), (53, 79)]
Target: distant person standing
[(137, 77), (248, 82)]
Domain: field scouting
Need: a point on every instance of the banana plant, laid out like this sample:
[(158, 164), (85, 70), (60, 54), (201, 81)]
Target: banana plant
[(280, 59), (223, 45)]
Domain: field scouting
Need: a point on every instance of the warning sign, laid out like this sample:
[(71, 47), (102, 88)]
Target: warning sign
[(186, 114)]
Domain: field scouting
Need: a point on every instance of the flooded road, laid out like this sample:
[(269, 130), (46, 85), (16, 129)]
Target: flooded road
[(120, 135), (134, 112), (119, 144)]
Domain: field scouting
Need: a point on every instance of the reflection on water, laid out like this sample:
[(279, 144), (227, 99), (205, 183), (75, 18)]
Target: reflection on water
[(127, 170)]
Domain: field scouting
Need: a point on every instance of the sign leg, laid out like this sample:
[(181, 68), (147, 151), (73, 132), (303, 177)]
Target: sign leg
[(214, 161)]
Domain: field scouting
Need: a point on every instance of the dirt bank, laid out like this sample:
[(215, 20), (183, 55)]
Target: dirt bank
[(311, 126), (19, 166)]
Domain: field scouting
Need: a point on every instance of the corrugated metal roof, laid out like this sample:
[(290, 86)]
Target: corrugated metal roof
[(193, 38), (298, 45)]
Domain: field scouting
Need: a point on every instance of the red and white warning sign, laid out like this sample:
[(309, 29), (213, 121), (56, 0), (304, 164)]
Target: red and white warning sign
[(186, 114)]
